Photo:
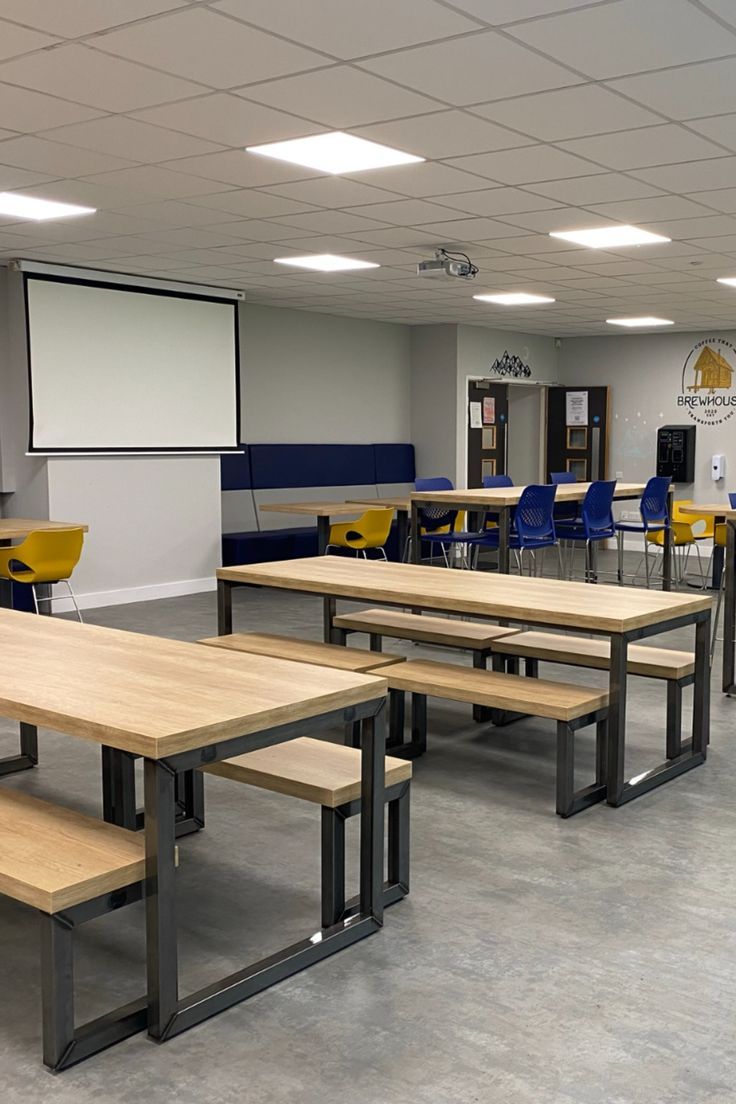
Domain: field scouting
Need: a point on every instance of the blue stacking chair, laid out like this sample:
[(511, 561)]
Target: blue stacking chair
[(595, 524), (534, 526), (489, 483), (564, 511), (654, 519), (437, 523)]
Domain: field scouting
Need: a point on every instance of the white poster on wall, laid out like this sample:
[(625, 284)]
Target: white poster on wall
[(476, 421), (576, 408)]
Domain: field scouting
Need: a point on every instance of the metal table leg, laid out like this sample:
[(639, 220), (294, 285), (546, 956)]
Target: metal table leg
[(416, 551), (504, 529), (168, 1013), (402, 531), (667, 549), (729, 611), (323, 535), (224, 607)]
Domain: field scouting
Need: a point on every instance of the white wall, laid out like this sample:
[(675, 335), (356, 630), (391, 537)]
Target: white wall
[(644, 373), (154, 524), (321, 378), (433, 397)]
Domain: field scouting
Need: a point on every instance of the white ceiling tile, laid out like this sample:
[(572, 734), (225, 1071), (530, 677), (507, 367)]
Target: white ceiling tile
[(711, 226), (261, 230), (16, 40), (497, 201), (340, 97), (173, 213), (568, 113), (690, 177), (635, 149), (352, 28), (77, 73), (526, 166), (331, 222), (686, 92), (229, 119), (55, 158), (406, 212), (721, 129), (130, 138), (248, 203), (508, 11), (191, 237), (559, 218), (332, 191), (73, 18), (471, 230), (443, 134), (205, 46), (725, 244), (611, 40), (720, 199), (724, 9), (429, 179), (247, 170), (594, 189), (14, 178), (396, 237), (24, 110), (641, 210), (154, 181), (84, 192), (472, 70)]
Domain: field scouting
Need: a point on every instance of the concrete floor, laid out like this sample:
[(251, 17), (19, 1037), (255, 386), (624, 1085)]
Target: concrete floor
[(536, 961)]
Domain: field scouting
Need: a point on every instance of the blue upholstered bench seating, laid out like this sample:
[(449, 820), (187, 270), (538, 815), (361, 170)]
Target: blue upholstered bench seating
[(259, 474)]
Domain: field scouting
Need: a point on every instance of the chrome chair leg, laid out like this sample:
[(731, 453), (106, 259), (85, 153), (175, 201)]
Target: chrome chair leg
[(620, 550)]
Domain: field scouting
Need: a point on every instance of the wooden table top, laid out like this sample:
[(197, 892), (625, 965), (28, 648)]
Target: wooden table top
[(709, 509), (402, 503), (506, 597), (315, 509), (509, 496), (14, 528), (156, 697)]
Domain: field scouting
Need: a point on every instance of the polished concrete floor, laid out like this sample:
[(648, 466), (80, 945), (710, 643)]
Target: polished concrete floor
[(536, 961)]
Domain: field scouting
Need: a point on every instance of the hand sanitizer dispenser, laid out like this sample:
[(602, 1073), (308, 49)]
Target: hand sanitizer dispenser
[(718, 466)]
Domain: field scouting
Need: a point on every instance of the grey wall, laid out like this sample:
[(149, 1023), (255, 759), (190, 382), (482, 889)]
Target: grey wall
[(644, 373), (309, 377), (433, 398)]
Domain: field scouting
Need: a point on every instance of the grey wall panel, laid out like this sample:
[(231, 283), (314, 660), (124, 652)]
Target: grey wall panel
[(269, 520), (238, 512), (391, 490)]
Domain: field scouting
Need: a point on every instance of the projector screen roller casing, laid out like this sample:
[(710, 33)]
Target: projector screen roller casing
[(118, 369)]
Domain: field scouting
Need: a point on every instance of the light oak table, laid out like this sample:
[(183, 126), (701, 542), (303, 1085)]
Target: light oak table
[(323, 511), (181, 706), (12, 529), (502, 500), (723, 514), (623, 615)]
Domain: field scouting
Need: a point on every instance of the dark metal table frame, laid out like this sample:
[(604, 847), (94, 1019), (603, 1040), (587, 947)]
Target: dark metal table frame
[(620, 790), (168, 1013), (504, 530), (729, 612)]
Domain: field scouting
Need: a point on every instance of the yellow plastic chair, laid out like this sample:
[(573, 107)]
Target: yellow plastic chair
[(719, 541), (369, 531), (45, 556), (683, 537)]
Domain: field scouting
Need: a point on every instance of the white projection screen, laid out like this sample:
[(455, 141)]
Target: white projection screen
[(117, 369)]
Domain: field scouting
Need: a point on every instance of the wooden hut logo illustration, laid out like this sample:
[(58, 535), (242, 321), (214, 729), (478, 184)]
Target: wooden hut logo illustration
[(706, 391), (712, 372)]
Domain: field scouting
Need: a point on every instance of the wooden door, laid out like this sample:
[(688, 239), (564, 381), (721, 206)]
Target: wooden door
[(577, 432), (487, 444)]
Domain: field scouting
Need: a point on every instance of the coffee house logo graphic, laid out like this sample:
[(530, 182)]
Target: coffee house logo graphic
[(706, 391)]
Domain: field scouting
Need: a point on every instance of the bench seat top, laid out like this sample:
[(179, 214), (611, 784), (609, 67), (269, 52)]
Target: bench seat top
[(53, 858), (430, 630), (314, 770), (583, 651), (358, 660), (559, 700)]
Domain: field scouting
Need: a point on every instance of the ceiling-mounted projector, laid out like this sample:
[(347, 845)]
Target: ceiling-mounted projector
[(457, 265)]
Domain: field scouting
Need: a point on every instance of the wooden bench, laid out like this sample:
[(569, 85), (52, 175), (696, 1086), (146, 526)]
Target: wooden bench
[(329, 775), (468, 636), (70, 868), (358, 660), (572, 707), (676, 668)]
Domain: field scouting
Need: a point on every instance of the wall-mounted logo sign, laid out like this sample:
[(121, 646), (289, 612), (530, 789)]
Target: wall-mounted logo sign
[(706, 391), (512, 366)]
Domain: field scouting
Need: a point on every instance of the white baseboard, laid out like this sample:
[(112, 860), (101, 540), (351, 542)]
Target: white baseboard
[(122, 597)]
